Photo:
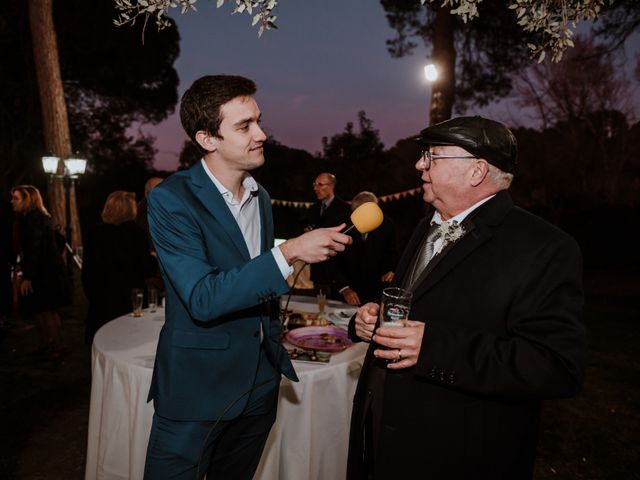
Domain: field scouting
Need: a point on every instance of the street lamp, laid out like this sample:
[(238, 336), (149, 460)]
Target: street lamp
[(431, 74), (50, 165), (74, 167)]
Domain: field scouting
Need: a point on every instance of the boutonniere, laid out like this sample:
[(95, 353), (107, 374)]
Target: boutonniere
[(452, 232)]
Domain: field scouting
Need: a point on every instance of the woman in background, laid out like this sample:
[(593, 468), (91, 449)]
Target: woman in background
[(116, 259), (44, 286)]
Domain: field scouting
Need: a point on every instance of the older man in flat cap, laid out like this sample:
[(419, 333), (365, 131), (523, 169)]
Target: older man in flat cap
[(495, 324)]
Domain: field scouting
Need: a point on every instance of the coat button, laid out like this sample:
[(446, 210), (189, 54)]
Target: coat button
[(256, 334)]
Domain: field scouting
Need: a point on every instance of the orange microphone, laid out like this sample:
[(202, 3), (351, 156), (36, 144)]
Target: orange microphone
[(366, 218)]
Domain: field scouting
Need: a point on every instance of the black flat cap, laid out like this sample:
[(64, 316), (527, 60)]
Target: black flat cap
[(479, 136)]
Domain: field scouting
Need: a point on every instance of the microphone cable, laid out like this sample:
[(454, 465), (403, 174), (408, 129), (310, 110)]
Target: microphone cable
[(247, 392), (239, 397), (213, 427), (293, 286)]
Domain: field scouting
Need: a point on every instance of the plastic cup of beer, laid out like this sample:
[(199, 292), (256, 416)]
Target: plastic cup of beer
[(322, 300), (394, 307), (136, 301), (152, 299)]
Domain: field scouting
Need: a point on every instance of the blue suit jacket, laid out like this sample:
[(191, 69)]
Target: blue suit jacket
[(216, 299)]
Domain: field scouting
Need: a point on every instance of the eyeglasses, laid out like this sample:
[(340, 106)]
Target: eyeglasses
[(319, 184), (427, 157)]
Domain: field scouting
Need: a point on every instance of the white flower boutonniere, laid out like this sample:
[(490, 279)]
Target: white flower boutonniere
[(452, 232)]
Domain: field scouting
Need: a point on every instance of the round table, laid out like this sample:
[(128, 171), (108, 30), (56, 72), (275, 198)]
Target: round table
[(308, 441)]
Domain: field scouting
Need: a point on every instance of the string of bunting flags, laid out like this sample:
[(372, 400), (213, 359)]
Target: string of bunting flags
[(382, 198)]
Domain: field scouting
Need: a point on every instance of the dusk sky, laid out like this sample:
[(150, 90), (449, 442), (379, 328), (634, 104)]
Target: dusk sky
[(326, 61)]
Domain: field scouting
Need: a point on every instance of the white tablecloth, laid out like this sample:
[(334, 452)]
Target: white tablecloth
[(308, 441)]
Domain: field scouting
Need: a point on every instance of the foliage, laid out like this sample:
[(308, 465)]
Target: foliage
[(586, 138), (189, 155), (487, 51), (352, 146), (618, 22), (356, 158), (111, 83), (586, 82), (131, 10), (552, 19)]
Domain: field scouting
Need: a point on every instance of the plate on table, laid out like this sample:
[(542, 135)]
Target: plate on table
[(303, 319), (324, 339), (342, 316)]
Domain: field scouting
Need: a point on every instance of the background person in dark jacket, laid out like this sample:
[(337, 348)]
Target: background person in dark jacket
[(116, 259), (367, 265), (329, 211), (496, 324), (44, 286), (154, 278)]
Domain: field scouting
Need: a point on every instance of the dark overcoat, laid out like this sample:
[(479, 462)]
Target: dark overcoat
[(502, 308), (337, 212), (116, 259), (365, 261)]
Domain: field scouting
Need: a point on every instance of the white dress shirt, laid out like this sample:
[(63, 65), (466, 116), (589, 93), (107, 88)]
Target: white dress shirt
[(247, 214), (437, 220)]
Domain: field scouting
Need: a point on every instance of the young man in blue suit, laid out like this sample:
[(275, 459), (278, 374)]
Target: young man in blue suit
[(219, 360)]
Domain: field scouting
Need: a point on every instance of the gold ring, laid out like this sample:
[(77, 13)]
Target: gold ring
[(399, 359)]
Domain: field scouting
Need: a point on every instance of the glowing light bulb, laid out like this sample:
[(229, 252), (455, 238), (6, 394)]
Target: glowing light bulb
[(431, 72)]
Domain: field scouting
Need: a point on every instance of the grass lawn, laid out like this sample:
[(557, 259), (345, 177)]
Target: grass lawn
[(596, 436)]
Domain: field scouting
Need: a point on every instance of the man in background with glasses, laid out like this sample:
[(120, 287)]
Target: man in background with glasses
[(495, 324), (329, 210)]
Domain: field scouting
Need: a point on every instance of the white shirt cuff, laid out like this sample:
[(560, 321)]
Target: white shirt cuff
[(285, 268)]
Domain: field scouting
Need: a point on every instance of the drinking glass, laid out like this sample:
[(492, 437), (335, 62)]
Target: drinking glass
[(136, 301), (322, 300), (394, 307), (152, 299)]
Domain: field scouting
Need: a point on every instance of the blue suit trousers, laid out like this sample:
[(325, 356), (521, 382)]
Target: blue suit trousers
[(223, 450)]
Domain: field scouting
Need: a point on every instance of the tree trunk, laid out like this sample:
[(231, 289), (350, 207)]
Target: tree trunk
[(444, 57), (55, 122)]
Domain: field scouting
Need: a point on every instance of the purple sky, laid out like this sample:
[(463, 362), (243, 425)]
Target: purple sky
[(327, 61)]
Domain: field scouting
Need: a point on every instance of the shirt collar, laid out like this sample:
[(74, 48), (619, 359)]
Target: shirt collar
[(437, 218), (249, 183), (328, 201)]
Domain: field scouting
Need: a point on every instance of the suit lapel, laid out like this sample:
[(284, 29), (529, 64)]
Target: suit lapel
[(449, 257), (479, 229), (204, 189), (407, 259)]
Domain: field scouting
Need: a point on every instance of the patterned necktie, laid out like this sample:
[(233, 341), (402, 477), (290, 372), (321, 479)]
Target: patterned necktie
[(426, 252), (323, 208)]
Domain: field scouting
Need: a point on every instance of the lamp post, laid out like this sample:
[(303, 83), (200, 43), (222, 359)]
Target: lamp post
[(431, 74), (73, 168)]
